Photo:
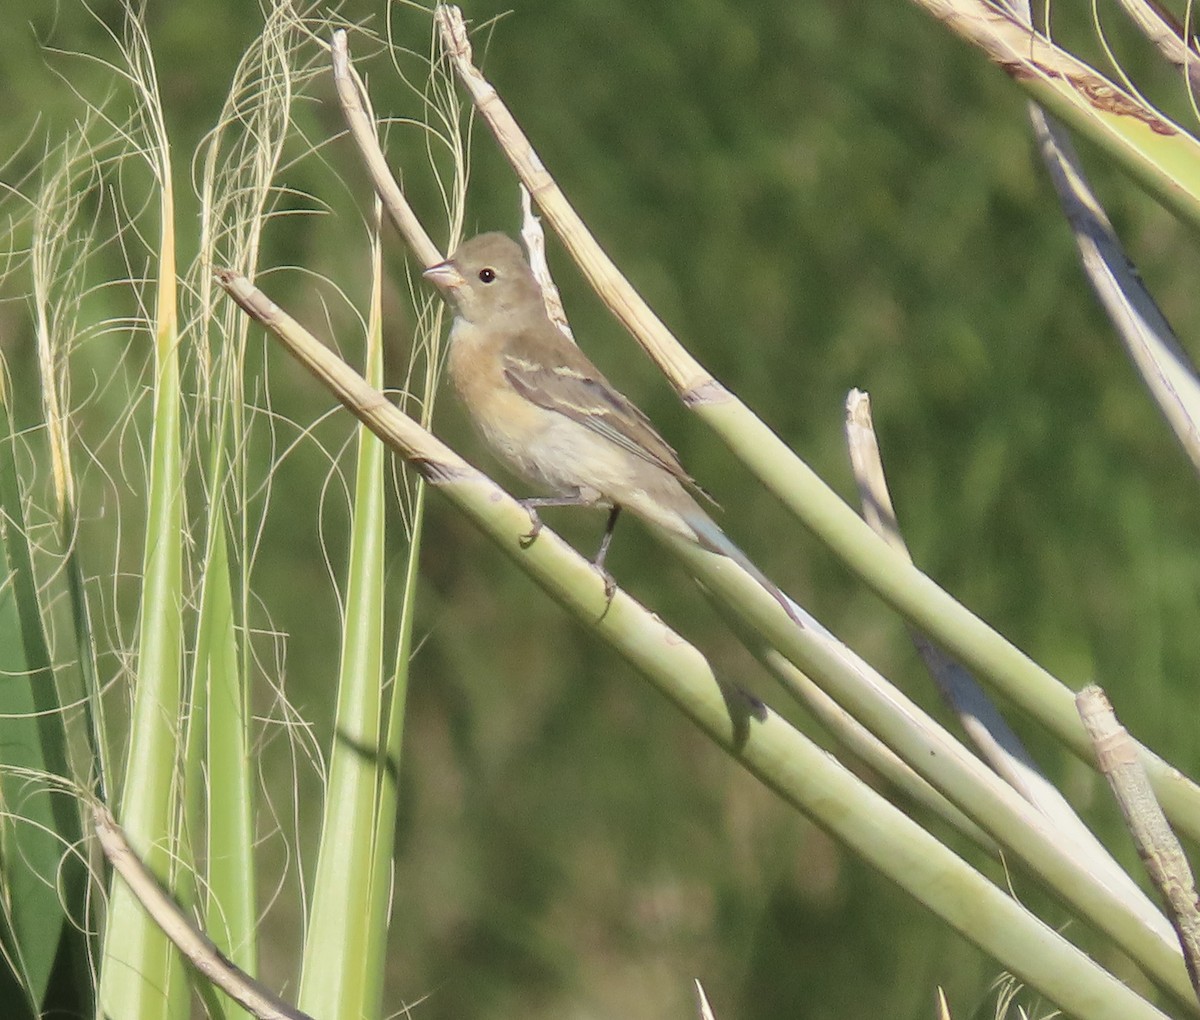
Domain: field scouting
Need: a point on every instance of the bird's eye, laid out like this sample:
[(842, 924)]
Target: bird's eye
[(487, 274)]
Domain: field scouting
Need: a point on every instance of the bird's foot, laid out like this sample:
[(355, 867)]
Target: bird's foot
[(535, 526)]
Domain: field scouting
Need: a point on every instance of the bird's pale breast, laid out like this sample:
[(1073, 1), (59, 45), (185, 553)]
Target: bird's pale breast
[(552, 451)]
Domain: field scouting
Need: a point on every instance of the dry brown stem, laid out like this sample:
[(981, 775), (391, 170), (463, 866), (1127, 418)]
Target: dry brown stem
[(682, 370), (1118, 758), (361, 122), (182, 931)]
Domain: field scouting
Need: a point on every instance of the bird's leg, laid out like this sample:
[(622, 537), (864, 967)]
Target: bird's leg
[(533, 502), (575, 498), (610, 584)]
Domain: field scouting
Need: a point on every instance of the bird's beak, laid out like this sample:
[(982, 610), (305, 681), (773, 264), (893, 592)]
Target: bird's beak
[(444, 276)]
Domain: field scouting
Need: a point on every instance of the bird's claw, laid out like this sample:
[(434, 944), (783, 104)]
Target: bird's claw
[(535, 527), (610, 582)]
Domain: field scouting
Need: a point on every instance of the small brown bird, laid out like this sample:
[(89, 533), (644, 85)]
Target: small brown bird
[(550, 413)]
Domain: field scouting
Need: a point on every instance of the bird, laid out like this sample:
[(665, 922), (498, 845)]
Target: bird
[(550, 413)]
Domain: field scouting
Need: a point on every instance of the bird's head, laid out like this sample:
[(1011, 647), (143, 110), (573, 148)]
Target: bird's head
[(487, 279)]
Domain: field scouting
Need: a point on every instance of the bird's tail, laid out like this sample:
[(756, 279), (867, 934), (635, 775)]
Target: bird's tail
[(712, 538)]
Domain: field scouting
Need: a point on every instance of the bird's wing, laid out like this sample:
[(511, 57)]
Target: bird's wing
[(573, 387)]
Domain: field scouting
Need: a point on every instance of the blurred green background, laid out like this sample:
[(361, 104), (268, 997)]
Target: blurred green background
[(814, 197)]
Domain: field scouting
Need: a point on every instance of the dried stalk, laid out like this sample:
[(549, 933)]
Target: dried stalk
[(356, 107), (180, 929), (1159, 849)]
